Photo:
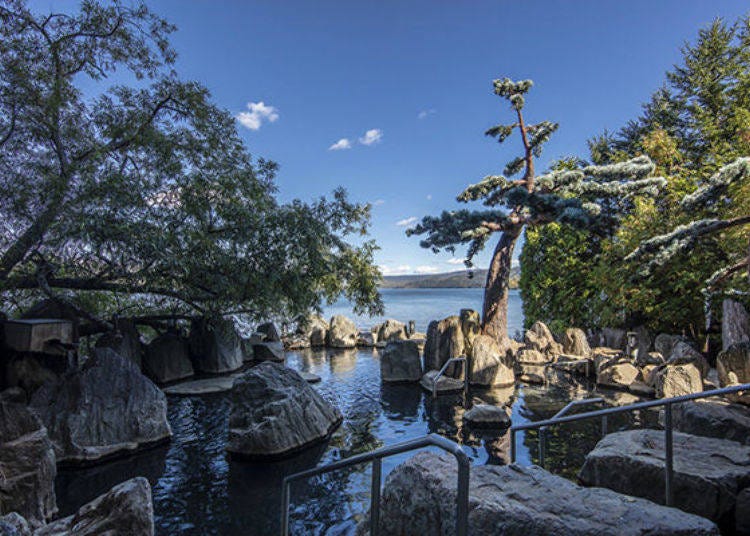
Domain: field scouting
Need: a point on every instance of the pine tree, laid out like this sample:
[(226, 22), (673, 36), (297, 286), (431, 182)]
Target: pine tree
[(590, 197)]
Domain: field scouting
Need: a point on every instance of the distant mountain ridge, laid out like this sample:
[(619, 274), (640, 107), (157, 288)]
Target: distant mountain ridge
[(458, 279)]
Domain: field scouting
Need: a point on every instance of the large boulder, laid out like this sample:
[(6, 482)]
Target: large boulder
[(664, 343), (342, 333), (419, 497), (619, 375), (733, 364), (683, 353), (269, 331), (124, 340), (539, 338), (445, 340), (471, 327), (27, 464), (487, 416), (215, 345), (708, 472), (105, 408), (713, 418), (576, 343), (315, 329), (487, 364), (735, 324), (125, 510), (167, 359), (269, 351), (391, 330), (677, 380), (614, 338), (401, 362), (275, 414)]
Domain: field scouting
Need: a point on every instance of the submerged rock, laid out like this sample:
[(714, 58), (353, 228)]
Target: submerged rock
[(342, 333), (125, 510), (105, 408), (445, 384), (27, 464), (215, 346), (420, 498), (401, 362), (167, 359), (708, 472), (275, 413), (487, 416)]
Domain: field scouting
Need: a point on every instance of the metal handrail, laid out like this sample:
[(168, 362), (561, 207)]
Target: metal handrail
[(572, 404), (666, 402), (440, 374), (430, 440)]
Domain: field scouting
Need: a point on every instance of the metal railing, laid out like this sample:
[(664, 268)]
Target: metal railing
[(603, 413), (440, 374), (572, 404), (376, 456)]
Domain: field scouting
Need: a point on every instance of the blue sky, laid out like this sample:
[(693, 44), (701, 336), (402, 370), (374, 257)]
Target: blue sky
[(417, 76)]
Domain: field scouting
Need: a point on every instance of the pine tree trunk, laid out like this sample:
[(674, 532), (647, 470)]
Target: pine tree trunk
[(495, 309)]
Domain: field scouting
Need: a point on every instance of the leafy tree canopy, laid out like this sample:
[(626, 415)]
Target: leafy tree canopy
[(144, 197)]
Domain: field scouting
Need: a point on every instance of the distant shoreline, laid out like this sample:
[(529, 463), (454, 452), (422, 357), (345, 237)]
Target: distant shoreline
[(456, 280)]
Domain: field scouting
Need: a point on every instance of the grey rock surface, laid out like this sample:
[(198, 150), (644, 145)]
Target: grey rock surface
[(735, 323), (445, 384), (275, 413), (420, 495), (575, 342), (713, 418), (268, 351), (105, 408), (487, 416), (392, 330), (167, 359), (708, 472), (487, 363), (445, 340), (342, 333), (401, 362), (27, 464), (677, 380), (215, 346), (125, 510), (270, 331), (124, 340)]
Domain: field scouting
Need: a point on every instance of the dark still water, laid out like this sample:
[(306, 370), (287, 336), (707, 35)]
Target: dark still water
[(197, 491)]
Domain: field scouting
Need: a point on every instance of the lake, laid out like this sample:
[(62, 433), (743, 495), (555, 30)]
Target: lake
[(197, 491)]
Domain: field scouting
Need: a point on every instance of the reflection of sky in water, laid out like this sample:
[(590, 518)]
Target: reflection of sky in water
[(197, 491)]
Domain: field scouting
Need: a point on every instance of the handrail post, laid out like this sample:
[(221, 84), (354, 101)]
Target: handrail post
[(466, 381), (462, 497), (669, 457), (377, 471), (512, 446), (285, 508), (542, 445), (604, 425)]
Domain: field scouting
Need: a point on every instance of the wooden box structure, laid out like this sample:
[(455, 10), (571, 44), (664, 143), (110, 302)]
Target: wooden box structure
[(42, 335)]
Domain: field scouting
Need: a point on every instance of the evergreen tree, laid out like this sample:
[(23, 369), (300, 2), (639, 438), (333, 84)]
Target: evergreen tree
[(591, 197)]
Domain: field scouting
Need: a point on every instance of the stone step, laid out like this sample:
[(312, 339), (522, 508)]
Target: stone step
[(708, 472), (420, 498)]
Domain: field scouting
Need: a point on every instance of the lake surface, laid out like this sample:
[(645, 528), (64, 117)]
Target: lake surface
[(198, 491)]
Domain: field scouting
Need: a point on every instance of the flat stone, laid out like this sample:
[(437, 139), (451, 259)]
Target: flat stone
[(713, 418), (445, 384), (309, 377), (205, 386), (487, 416), (618, 375), (708, 472), (275, 414), (419, 498), (125, 510)]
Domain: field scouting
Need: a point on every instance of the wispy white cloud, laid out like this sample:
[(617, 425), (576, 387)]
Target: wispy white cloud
[(407, 221), (426, 269), (371, 137), (395, 270), (429, 197), (455, 260), (378, 202), (257, 114), (426, 113), (340, 145)]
